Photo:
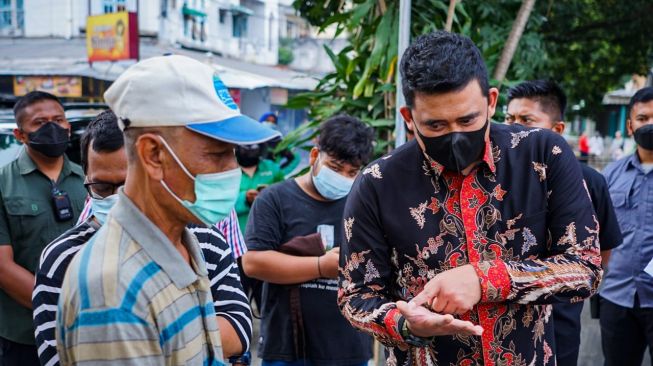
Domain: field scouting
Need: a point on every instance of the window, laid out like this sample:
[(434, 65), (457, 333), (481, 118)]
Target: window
[(222, 15), (114, 6), (11, 17), (240, 26), (6, 13)]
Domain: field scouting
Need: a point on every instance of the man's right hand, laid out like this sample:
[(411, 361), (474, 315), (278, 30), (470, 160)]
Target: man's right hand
[(251, 195), (425, 323), (329, 263)]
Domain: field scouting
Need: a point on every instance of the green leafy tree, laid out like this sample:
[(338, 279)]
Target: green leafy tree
[(594, 46), (363, 82), (587, 45)]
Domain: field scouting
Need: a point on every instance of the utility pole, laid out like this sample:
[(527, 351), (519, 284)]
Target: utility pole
[(404, 40)]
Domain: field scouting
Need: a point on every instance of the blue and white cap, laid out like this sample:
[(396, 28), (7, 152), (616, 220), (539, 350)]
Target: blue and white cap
[(175, 90)]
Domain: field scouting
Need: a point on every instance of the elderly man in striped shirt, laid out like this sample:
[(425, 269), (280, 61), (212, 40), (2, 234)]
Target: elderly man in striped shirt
[(139, 293), (104, 162)]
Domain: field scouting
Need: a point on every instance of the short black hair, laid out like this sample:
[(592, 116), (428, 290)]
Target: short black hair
[(103, 135), (441, 62), (643, 95), (29, 99), (548, 93), (346, 139)]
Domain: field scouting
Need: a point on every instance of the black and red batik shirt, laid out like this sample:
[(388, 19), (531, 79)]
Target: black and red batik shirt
[(522, 218)]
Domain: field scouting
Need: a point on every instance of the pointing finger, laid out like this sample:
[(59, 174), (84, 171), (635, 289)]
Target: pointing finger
[(428, 293)]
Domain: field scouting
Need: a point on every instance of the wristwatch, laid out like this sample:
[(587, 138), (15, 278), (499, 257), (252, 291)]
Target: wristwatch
[(410, 338)]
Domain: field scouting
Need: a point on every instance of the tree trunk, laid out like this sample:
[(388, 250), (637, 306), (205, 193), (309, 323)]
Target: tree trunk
[(513, 39), (450, 13)]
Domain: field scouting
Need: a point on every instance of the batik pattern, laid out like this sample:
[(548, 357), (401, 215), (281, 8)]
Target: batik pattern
[(521, 218)]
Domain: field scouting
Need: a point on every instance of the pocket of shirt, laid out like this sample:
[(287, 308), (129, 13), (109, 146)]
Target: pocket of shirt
[(26, 218), (624, 210)]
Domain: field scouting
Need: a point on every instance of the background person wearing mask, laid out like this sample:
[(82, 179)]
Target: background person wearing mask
[(312, 331), (41, 195), (258, 173), (627, 291), (287, 160), (104, 161), (541, 104), (139, 292)]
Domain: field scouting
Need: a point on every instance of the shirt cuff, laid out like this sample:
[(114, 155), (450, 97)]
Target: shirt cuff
[(391, 322), (494, 279)]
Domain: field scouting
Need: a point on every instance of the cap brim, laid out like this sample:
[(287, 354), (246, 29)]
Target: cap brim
[(239, 130)]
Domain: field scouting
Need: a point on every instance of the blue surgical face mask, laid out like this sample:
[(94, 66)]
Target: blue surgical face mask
[(215, 194), (101, 207), (331, 185)]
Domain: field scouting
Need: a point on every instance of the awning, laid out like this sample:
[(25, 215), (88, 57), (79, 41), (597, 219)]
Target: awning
[(239, 9), (43, 57), (192, 12)]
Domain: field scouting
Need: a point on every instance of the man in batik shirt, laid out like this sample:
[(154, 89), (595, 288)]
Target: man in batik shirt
[(471, 223)]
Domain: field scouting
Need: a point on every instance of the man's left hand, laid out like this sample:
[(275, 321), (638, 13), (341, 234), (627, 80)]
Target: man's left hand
[(455, 291)]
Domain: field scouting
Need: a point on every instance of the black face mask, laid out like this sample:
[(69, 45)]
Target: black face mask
[(644, 137), (50, 140), (248, 157), (456, 150)]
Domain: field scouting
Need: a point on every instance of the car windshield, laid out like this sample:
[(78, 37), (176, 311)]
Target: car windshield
[(9, 148)]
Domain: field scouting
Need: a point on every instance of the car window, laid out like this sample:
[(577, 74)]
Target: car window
[(9, 147)]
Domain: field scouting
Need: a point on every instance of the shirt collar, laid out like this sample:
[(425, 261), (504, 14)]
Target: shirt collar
[(488, 158), (25, 162), (157, 245), (633, 162), (27, 165)]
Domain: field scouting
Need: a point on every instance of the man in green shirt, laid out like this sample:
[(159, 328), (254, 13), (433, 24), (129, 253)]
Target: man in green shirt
[(41, 195), (258, 173)]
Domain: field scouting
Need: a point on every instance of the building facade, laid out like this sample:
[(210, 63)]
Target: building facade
[(242, 29)]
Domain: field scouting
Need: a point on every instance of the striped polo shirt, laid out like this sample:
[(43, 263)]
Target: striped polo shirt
[(130, 298), (229, 299)]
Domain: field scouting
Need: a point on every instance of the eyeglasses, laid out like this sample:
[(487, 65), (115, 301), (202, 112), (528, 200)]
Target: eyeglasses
[(100, 190)]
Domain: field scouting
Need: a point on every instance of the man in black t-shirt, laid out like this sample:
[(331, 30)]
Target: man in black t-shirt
[(541, 103), (301, 323)]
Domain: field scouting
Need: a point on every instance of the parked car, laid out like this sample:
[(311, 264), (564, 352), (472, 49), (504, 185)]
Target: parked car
[(78, 114)]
